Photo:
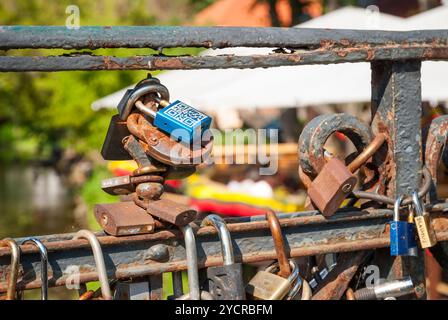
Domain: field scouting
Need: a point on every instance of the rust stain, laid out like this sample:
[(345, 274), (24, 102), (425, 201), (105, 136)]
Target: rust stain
[(370, 55), (326, 44), (207, 44), (172, 63), (431, 53), (294, 58), (109, 64), (342, 53), (345, 42)]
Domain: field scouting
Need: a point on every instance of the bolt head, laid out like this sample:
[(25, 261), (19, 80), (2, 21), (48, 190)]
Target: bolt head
[(346, 188)]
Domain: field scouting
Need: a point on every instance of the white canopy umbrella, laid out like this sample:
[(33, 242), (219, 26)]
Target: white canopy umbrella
[(297, 86), (356, 18), (436, 18)]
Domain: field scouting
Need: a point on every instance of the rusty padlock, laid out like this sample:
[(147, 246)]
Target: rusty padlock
[(112, 147), (123, 219), (170, 211), (165, 150), (333, 181)]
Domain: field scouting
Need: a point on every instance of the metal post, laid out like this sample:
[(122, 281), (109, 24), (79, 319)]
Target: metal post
[(396, 110)]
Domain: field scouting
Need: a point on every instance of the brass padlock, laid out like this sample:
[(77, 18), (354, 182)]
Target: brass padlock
[(335, 181), (426, 234), (266, 285)]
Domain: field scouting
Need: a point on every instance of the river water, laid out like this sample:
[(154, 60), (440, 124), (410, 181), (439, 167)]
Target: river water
[(34, 201)]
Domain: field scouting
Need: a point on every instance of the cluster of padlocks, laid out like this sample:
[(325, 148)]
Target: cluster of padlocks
[(166, 140), (330, 181)]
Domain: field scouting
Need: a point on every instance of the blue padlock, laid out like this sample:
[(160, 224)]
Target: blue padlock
[(399, 232), (412, 239), (183, 122)]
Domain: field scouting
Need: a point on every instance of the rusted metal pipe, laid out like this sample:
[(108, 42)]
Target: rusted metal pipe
[(306, 236), (151, 63), (158, 37)]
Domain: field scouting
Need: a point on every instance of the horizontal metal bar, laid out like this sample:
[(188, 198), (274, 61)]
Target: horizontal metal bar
[(306, 234), (156, 37), (322, 56)]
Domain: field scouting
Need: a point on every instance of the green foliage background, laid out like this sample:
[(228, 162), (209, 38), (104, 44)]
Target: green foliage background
[(41, 113)]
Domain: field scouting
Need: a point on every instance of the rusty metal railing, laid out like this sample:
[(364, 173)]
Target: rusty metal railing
[(310, 46), (395, 59)]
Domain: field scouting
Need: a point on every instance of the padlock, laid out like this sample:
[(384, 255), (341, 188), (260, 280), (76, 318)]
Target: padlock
[(398, 232), (123, 219), (331, 186), (43, 265), (131, 290), (224, 282), (412, 237), (112, 148), (99, 261), (170, 211), (335, 181), (142, 288), (181, 121), (266, 285), (14, 267), (159, 146), (426, 234)]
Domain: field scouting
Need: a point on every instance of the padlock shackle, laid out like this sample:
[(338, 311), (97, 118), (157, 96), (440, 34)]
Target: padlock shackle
[(294, 270), (279, 244), (15, 263), (44, 265), (417, 204), (144, 109), (192, 263), (367, 152), (142, 90), (99, 261), (397, 204), (295, 289), (224, 237), (162, 102)]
